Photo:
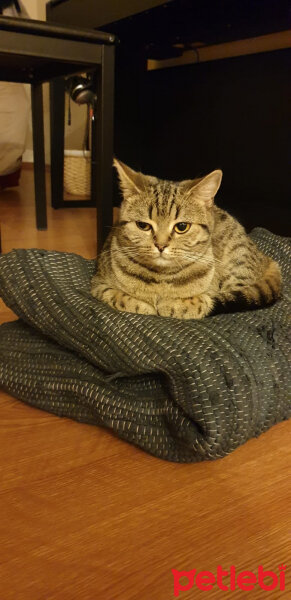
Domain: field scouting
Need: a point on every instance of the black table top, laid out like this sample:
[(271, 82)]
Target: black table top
[(55, 30)]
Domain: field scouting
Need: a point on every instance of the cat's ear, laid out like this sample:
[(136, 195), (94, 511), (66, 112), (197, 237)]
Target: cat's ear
[(130, 181), (205, 189)]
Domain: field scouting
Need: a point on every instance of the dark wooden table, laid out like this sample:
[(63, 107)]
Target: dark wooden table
[(34, 52)]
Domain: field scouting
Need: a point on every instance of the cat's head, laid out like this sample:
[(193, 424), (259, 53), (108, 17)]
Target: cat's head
[(165, 221)]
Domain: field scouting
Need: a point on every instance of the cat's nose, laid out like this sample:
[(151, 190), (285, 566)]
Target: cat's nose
[(161, 247)]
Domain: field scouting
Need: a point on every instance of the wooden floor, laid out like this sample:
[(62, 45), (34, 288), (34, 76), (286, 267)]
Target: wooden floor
[(86, 516)]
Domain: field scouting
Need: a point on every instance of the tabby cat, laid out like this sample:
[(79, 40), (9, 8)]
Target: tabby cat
[(174, 253)]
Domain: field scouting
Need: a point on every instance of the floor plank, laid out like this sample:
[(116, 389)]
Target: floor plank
[(85, 515)]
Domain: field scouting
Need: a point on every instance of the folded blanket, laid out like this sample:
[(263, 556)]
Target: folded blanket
[(184, 391)]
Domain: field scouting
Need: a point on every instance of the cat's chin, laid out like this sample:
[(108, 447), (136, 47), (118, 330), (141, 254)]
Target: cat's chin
[(162, 262), (159, 263)]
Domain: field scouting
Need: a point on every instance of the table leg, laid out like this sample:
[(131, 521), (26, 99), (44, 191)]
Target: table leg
[(57, 128), (38, 153), (102, 145)]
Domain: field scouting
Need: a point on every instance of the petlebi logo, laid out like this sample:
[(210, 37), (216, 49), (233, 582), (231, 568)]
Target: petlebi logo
[(230, 580)]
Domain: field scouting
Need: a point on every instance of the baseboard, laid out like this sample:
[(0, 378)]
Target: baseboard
[(28, 166)]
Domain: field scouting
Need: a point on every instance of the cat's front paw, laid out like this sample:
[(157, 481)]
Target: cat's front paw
[(186, 308), (133, 305), (123, 302)]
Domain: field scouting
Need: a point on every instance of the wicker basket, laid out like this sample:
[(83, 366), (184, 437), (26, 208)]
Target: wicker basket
[(77, 173)]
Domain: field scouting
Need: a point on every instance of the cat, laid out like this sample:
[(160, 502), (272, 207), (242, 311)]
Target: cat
[(174, 253)]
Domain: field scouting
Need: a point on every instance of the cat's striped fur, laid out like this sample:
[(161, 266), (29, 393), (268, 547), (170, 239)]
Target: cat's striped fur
[(157, 270)]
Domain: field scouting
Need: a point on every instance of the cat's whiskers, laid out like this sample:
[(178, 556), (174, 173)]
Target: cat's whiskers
[(199, 257), (180, 257)]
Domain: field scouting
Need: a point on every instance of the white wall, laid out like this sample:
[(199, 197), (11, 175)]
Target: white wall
[(73, 134)]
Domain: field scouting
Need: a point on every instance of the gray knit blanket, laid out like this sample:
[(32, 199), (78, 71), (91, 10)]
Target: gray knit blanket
[(184, 391)]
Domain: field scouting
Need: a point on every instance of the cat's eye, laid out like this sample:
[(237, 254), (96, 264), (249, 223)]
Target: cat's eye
[(182, 227), (144, 226)]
